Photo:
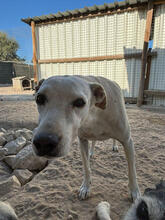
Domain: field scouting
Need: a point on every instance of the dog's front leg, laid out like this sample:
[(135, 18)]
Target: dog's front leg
[(85, 187)]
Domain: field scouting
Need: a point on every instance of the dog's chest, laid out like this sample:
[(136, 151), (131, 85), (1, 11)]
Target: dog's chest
[(94, 130)]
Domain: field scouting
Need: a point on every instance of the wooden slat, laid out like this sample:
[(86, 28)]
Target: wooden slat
[(130, 100), (34, 52), (154, 92), (98, 58), (144, 53), (159, 2), (147, 78)]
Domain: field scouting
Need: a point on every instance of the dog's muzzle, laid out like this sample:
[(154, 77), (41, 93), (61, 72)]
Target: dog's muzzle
[(46, 144)]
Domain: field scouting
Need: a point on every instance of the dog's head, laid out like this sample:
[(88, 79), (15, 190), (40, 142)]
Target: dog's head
[(63, 104)]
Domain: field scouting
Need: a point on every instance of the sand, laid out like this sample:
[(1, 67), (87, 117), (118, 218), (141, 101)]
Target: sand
[(52, 194)]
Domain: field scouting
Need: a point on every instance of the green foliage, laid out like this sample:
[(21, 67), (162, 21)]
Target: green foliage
[(8, 48)]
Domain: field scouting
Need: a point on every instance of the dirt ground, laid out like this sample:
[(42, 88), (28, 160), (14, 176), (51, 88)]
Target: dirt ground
[(52, 194), (9, 90)]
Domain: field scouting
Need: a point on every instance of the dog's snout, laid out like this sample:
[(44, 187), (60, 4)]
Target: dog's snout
[(46, 144)]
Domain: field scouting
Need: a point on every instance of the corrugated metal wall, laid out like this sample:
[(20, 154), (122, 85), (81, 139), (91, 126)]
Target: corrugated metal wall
[(115, 34), (5, 73), (8, 70), (23, 70), (157, 74)]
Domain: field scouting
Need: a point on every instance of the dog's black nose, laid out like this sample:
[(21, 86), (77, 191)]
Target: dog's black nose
[(46, 144)]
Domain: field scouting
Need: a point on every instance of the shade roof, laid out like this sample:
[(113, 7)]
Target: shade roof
[(85, 11)]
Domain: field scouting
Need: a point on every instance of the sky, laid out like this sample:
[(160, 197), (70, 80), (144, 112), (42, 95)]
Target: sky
[(13, 10)]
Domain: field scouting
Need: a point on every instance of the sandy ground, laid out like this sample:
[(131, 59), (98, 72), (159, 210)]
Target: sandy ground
[(9, 90), (52, 194)]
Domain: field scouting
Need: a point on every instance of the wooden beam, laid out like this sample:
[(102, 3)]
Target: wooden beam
[(144, 53), (34, 52), (130, 100), (98, 58), (154, 92), (147, 78), (159, 2)]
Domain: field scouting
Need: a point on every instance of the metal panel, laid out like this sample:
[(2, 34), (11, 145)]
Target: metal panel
[(121, 33), (125, 73), (6, 73), (157, 75)]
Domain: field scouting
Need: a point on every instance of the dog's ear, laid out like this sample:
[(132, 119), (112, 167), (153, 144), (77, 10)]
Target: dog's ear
[(99, 95), (39, 84)]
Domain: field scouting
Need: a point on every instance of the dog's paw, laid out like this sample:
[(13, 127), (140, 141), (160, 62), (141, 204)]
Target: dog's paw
[(84, 191), (135, 194), (115, 148)]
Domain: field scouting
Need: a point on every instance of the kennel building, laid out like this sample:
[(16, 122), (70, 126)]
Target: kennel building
[(109, 40)]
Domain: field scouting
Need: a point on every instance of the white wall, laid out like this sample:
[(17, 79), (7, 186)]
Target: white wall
[(99, 36)]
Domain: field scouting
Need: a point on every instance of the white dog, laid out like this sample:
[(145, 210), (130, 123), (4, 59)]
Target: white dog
[(90, 108)]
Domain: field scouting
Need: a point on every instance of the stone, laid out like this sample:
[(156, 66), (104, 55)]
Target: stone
[(25, 133), (5, 171), (9, 137), (9, 185), (3, 140), (15, 146), (3, 152), (23, 175), (10, 160), (70, 217), (26, 159), (3, 130)]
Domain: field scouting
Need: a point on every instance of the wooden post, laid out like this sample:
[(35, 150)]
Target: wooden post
[(147, 78), (144, 53), (34, 52)]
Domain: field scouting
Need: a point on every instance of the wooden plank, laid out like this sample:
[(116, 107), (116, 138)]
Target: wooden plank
[(159, 2), (98, 58), (147, 78), (34, 52), (144, 53), (130, 100), (154, 92)]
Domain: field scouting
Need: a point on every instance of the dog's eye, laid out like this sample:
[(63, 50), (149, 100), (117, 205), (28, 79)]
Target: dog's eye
[(79, 103), (41, 99)]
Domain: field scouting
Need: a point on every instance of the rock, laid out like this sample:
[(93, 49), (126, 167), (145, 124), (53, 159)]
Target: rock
[(3, 140), (10, 160), (25, 133), (9, 185), (26, 159), (70, 217), (3, 151), (15, 146), (23, 176), (5, 171), (3, 130), (9, 137)]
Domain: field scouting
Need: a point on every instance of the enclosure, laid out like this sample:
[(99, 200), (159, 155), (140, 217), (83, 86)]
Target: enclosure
[(109, 40), (9, 70)]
